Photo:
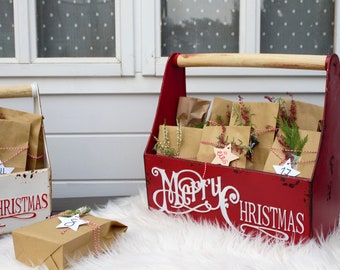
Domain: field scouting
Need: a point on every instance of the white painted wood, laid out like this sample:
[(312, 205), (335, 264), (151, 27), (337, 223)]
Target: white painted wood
[(97, 157), (126, 34), (97, 188), (248, 27), (99, 114), (22, 32), (140, 86), (149, 25)]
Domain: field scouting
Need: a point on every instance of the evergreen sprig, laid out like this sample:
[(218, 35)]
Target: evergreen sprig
[(79, 211), (165, 146), (291, 138)]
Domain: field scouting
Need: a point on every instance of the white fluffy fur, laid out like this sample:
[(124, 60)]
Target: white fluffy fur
[(157, 241)]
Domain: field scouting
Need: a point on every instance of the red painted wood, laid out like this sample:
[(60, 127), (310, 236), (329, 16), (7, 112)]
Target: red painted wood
[(290, 209)]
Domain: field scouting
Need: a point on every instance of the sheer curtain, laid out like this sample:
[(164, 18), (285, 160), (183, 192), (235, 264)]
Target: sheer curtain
[(297, 26), (199, 26), (7, 48), (76, 28), (196, 26)]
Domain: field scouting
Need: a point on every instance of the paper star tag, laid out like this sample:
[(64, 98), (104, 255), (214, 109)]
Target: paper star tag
[(72, 222), (5, 170), (224, 156), (286, 169)]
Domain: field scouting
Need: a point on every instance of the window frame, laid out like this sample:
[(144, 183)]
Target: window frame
[(26, 62), (249, 42)]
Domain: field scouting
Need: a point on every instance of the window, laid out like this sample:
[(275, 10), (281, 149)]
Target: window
[(305, 27), (66, 37), (6, 29), (70, 28), (241, 26), (201, 28)]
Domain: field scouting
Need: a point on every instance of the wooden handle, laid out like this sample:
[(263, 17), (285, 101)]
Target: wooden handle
[(288, 61), (15, 91)]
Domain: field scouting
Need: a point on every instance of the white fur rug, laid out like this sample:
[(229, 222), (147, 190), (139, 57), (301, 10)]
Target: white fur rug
[(157, 241)]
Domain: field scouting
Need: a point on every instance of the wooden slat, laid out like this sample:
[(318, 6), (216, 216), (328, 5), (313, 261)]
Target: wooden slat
[(15, 91), (287, 61)]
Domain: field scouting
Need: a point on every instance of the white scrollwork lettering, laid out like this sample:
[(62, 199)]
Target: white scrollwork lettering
[(234, 198), (276, 234), (185, 191)]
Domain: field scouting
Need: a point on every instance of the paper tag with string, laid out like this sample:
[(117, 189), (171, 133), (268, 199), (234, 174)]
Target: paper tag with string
[(224, 156), (5, 170)]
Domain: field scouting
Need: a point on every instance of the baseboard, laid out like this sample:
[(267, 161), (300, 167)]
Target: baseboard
[(62, 204), (73, 194)]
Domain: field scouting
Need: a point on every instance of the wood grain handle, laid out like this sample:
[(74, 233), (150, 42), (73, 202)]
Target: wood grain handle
[(15, 91), (287, 61)]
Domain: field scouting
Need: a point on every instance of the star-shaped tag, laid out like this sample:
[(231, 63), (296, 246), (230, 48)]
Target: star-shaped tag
[(5, 170), (286, 169), (71, 222), (224, 156)]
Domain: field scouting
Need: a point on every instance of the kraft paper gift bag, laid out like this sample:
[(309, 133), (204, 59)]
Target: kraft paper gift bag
[(192, 112), (35, 120), (307, 115), (301, 161), (14, 137), (261, 116), (220, 111), (219, 137), (44, 243), (177, 141)]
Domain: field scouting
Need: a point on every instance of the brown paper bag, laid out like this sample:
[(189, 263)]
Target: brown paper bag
[(188, 146), (237, 136), (220, 111), (261, 116), (43, 243), (35, 121), (14, 137), (305, 163), (307, 116), (192, 112)]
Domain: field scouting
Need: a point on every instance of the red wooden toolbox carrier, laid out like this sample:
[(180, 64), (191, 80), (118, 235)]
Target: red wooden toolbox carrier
[(286, 208)]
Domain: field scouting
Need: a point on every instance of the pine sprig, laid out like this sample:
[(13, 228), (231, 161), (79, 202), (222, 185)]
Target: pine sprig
[(79, 211), (165, 146), (291, 138)]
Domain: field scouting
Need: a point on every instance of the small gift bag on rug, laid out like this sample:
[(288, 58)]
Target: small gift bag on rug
[(14, 137), (192, 112), (178, 141), (261, 117), (59, 239), (36, 135), (220, 111), (223, 145), (294, 162)]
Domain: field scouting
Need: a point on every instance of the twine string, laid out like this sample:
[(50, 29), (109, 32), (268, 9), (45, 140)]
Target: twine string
[(17, 149), (205, 170), (95, 228), (18, 152), (265, 130), (282, 160)]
